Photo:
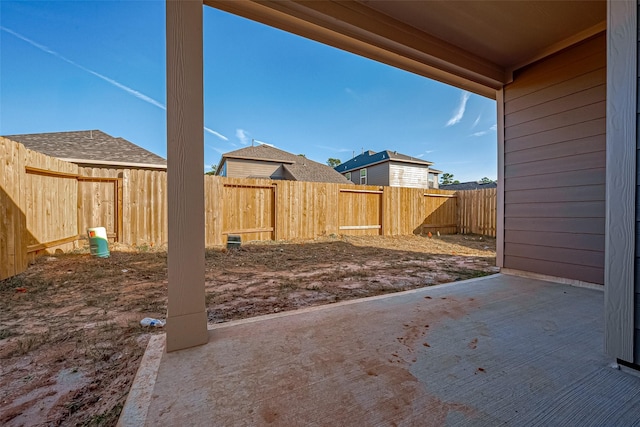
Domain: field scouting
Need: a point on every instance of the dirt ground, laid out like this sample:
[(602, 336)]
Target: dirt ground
[(70, 333)]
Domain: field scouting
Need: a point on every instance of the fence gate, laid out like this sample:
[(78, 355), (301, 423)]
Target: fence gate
[(100, 202), (360, 212), (249, 210)]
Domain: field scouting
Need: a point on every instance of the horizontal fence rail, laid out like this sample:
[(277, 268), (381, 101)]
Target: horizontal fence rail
[(47, 204)]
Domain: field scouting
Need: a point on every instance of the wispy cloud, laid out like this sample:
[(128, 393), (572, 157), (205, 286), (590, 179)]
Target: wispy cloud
[(424, 153), (141, 96), (458, 113), (466, 162), (243, 136), (482, 132), (216, 149), (352, 93), (493, 128), (334, 149), (218, 134), (127, 89), (263, 143), (475, 123)]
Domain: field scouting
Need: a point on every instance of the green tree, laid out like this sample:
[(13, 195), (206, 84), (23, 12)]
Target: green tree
[(485, 180), (333, 162), (447, 178), (212, 171)]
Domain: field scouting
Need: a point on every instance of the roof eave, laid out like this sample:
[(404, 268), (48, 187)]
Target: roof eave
[(114, 163), (386, 40), (226, 156)]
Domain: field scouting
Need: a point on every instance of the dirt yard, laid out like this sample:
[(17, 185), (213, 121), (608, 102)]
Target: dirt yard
[(70, 334)]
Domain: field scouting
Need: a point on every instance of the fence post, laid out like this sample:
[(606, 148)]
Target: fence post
[(276, 202)]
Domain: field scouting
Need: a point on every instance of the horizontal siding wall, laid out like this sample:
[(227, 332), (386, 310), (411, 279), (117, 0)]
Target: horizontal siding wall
[(377, 174), (404, 175), (240, 168), (353, 177), (554, 174), (637, 272)]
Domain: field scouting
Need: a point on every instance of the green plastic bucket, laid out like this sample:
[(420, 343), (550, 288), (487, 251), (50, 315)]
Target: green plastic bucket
[(98, 243)]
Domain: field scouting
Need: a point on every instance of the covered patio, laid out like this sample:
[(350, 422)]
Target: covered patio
[(564, 76), (489, 351), (499, 350)]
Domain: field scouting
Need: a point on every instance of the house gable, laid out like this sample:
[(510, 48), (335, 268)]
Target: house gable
[(389, 168), (247, 168), (264, 161), (408, 175)]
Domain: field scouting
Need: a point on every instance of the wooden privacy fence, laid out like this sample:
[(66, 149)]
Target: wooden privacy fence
[(38, 204), (477, 211), (264, 209), (47, 203), (285, 210)]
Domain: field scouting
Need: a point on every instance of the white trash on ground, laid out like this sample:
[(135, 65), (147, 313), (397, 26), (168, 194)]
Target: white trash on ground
[(148, 321)]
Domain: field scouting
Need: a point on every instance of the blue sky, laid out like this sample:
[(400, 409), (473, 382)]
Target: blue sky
[(81, 65)]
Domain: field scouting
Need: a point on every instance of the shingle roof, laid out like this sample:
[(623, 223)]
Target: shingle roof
[(88, 146), (263, 152), (299, 168), (369, 158), (472, 185)]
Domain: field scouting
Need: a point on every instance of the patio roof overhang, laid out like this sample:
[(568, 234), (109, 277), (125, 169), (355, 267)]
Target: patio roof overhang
[(474, 45)]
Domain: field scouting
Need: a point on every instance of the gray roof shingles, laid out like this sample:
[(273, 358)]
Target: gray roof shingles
[(87, 146), (298, 167), (472, 185)]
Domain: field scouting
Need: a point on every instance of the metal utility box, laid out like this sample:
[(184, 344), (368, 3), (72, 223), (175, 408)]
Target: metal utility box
[(233, 241)]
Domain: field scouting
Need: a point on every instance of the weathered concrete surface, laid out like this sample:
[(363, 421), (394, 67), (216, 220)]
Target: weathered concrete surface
[(490, 351)]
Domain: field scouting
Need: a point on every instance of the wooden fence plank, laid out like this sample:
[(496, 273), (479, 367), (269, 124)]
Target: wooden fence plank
[(477, 211), (13, 230), (48, 198)]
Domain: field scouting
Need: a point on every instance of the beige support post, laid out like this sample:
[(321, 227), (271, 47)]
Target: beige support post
[(621, 183), (500, 190), (186, 317)]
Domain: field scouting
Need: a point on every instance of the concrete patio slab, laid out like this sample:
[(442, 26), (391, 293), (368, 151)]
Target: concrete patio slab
[(500, 350)]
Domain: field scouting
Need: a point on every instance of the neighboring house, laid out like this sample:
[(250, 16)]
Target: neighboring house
[(390, 168), (264, 161), (91, 148), (472, 185)]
